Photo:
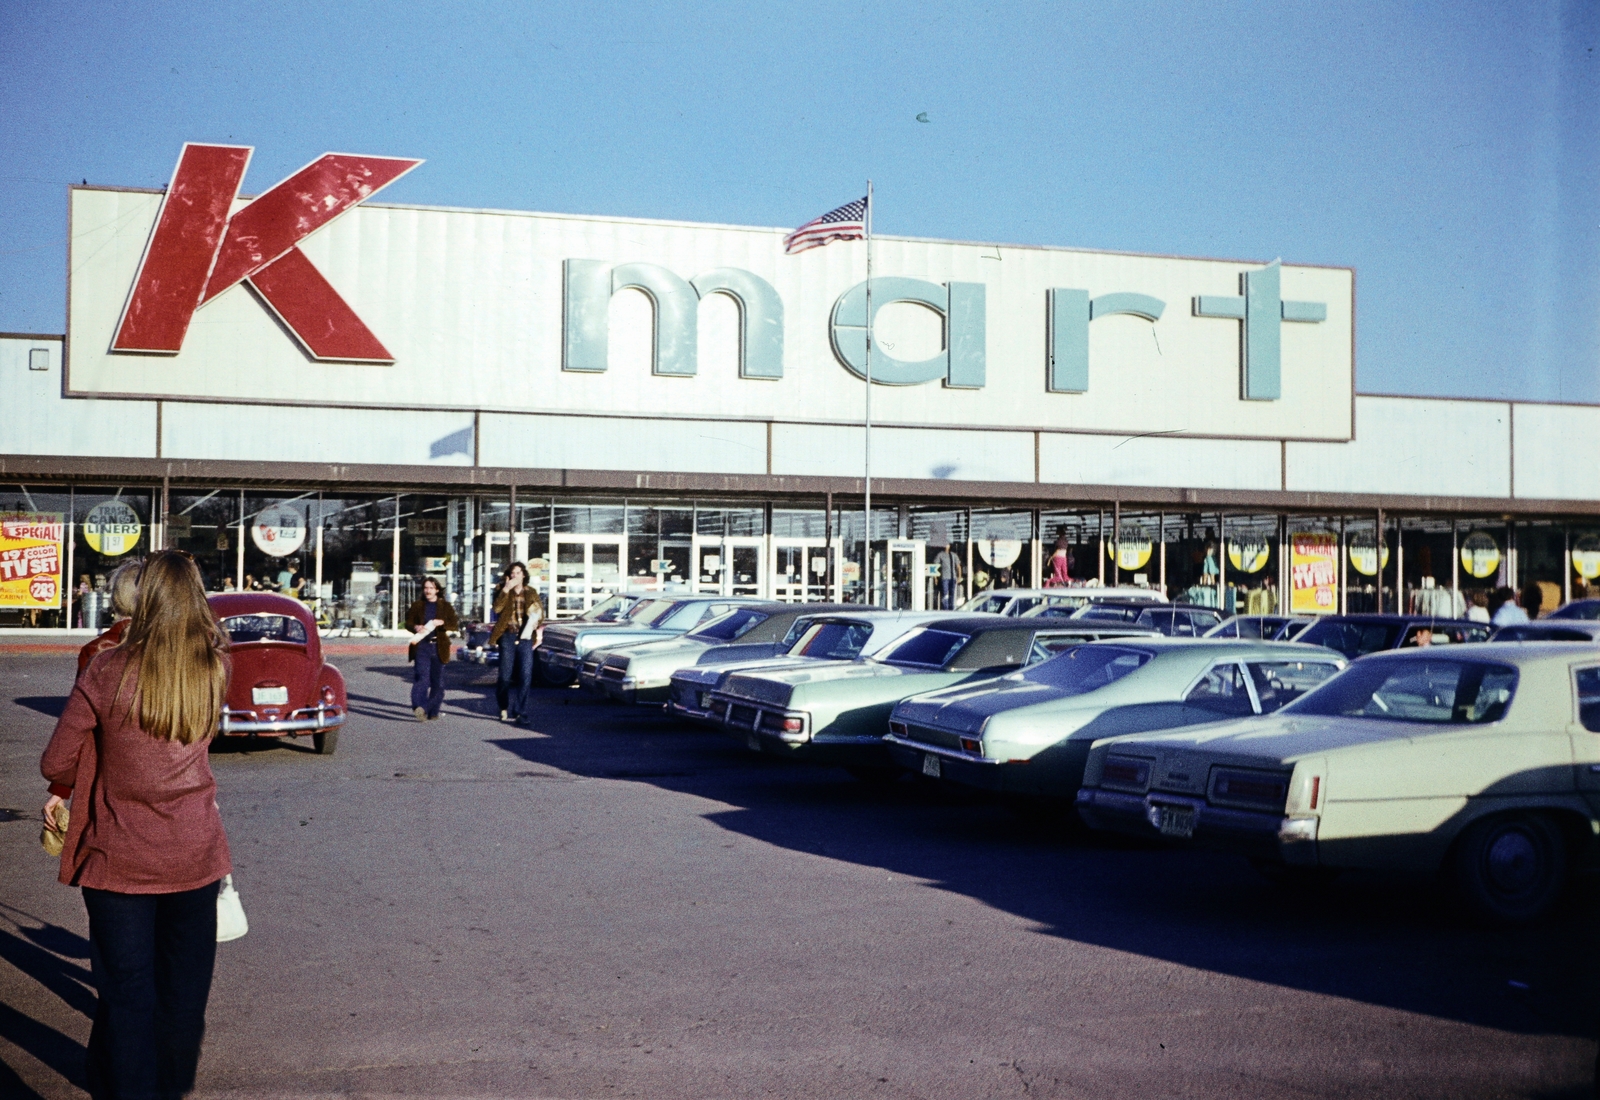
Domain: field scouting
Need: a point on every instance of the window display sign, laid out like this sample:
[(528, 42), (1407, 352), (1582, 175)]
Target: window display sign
[(279, 530), (30, 560), (1313, 573), (1480, 554), (112, 528), (1131, 552), (1586, 557), (999, 553), (1249, 556), (1366, 557)]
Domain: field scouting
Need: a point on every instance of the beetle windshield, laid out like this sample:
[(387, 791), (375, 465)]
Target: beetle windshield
[(1087, 667), (264, 628), (725, 628), (1414, 691)]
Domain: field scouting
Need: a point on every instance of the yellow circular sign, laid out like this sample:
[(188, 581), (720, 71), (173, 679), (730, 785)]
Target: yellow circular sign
[(1131, 552), (112, 528), (1586, 557), (1249, 556), (1480, 554), (1364, 556)]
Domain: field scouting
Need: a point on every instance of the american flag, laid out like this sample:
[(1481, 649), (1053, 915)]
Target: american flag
[(847, 223)]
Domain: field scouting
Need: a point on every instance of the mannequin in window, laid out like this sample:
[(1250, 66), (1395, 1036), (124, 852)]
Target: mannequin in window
[(1060, 565)]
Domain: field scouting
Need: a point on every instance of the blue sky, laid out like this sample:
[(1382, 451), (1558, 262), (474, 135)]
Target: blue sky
[(1450, 153)]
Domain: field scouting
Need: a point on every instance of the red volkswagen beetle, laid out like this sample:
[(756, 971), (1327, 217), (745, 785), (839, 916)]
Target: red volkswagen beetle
[(280, 683)]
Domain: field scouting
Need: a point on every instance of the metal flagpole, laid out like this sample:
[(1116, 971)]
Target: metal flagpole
[(866, 540)]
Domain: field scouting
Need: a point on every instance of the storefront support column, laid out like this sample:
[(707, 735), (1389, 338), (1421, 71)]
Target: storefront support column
[(1455, 563), (1283, 565), (1161, 546), (1380, 544), (967, 580), (827, 546), (238, 569), (163, 542), (394, 569), (1116, 542), (1344, 572), (68, 532), (317, 591), (1566, 562), (1222, 563)]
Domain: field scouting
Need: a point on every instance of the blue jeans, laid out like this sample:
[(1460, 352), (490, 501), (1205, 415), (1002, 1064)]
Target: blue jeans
[(427, 679), (516, 674), (152, 957)]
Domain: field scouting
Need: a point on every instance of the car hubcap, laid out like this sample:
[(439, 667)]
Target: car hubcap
[(1512, 862)]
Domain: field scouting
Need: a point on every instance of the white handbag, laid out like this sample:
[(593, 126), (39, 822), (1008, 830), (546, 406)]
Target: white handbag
[(231, 922)]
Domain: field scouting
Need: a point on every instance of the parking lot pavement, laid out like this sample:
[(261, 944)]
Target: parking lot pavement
[(607, 905)]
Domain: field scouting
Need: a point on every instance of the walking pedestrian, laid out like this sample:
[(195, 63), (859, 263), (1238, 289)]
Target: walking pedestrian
[(518, 614), (432, 620), (948, 563), (1060, 564), (145, 842), (1504, 609)]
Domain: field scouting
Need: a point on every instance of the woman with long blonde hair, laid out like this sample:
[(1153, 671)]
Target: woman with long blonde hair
[(145, 841)]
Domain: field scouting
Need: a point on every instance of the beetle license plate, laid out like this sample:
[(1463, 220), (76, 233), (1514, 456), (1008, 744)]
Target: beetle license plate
[(752, 742), (268, 695), (930, 765), (1177, 821)]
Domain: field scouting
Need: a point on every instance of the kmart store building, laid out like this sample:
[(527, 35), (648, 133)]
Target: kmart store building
[(357, 394)]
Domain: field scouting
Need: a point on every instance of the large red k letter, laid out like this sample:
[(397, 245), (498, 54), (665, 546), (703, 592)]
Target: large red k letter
[(197, 251)]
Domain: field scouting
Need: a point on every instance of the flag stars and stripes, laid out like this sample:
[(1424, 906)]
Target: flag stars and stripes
[(846, 223)]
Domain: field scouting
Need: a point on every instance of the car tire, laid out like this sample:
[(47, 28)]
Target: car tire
[(325, 741), (1511, 868)]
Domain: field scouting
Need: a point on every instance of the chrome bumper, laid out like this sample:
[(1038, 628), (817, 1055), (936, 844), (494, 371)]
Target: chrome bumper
[(1252, 832), (235, 722)]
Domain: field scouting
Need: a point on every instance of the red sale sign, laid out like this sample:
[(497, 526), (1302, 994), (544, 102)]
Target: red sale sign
[(1313, 573)]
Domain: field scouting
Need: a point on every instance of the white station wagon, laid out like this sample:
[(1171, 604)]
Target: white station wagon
[(1481, 762)]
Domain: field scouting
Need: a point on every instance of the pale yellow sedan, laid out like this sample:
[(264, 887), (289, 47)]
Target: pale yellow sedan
[(1481, 762)]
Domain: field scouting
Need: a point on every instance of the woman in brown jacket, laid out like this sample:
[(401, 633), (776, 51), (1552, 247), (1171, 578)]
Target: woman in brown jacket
[(431, 621), (145, 842), (518, 614)]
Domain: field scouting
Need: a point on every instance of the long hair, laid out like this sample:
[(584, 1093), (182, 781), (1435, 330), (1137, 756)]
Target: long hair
[(527, 580), (183, 675)]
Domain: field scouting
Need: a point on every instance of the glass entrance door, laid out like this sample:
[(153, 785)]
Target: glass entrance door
[(906, 564), (729, 566), (800, 570), (588, 568)]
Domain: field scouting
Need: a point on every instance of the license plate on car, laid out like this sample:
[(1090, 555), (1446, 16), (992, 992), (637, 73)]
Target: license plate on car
[(268, 695), (752, 742), (704, 700), (930, 765), (1175, 821)]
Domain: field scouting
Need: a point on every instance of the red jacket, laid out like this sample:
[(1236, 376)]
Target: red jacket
[(144, 811), (99, 642)]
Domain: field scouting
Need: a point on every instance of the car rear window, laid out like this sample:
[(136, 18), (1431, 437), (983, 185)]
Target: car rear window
[(1542, 633), (1352, 639), (833, 641), (1087, 668), (1455, 692), (725, 628), (927, 648), (1106, 613), (264, 628)]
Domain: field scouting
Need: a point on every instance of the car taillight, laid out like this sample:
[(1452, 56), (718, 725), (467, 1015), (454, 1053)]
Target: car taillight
[(1126, 771), (972, 745), (1316, 789), (328, 695), (1249, 788), (793, 725), (897, 728)]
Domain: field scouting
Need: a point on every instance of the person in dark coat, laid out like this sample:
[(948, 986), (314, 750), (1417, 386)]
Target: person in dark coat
[(431, 620)]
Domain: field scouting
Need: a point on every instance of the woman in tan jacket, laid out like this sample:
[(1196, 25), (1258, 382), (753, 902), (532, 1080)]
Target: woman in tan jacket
[(518, 614), (431, 621)]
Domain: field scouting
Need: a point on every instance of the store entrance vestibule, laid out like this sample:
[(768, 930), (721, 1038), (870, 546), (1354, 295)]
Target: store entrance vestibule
[(801, 568), (585, 569), (731, 566)]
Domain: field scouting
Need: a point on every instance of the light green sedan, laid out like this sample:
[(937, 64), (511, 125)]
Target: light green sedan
[(1483, 763), (838, 711), (1029, 733)]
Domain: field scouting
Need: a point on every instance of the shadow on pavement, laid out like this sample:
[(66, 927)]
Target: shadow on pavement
[(1380, 940), (45, 954)]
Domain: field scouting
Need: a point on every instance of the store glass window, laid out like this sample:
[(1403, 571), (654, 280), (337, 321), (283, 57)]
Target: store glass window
[(278, 543), (943, 533), (1314, 572), (204, 523), (1135, 557), (1364, 557), (1194, 564), (535, 520), (37, 589), (1482, 561), (1003, 545), (1541, 547), (1080, 534), (1425, 551), (358, 560), (1251, 577), (730, 521), (110, 525), (660, 540), (1584, 544)]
